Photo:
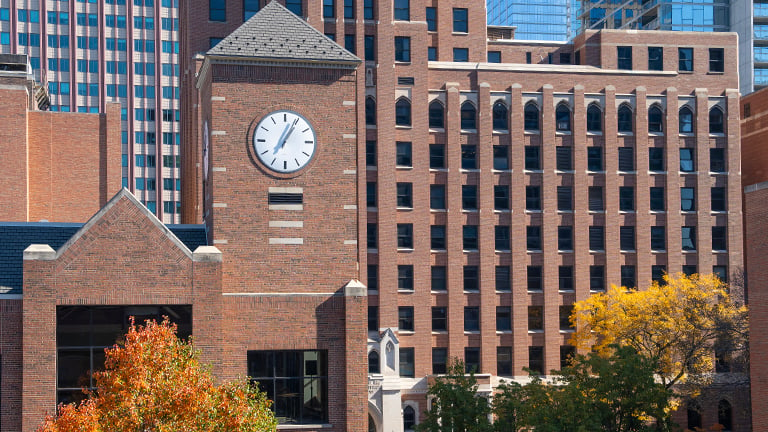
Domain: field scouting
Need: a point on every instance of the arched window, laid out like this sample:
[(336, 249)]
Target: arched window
[(468, 116), (370, 111), (655, 116), (725, 414), (715, 120), (594, 119), (500, 116), (625, 119), (685, 120), (694, 415), (531, 114), (409, 418), (374, 366), (563, 118), (436, 115), (403, 112)]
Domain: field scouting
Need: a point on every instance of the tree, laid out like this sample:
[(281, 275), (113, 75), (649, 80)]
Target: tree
[(611, 392), (154, 382), (675, 324), (456, 406)]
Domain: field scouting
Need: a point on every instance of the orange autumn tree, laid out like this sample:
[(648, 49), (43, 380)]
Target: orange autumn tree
[(154, 382)]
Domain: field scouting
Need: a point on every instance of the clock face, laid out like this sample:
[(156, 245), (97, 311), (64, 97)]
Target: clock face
[(284, 141)]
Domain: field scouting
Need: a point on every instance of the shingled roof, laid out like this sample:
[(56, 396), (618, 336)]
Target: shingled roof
[(275, 33)]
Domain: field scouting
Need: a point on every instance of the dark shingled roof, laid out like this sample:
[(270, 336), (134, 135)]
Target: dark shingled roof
[(276, 33), (17, 236)]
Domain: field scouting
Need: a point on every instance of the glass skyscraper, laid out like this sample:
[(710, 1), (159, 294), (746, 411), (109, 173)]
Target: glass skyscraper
[(712, 15), (550, 20)]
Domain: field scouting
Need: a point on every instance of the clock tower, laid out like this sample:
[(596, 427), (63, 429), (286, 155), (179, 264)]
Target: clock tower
[(278, 116)]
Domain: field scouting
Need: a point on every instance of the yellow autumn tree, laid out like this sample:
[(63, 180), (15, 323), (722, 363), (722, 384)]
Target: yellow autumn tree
[(676, 324)]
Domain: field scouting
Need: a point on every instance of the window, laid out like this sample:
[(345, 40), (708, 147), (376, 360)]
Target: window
[(405, 318), (437, 197), (658, 238), (624, 57), (716, 121), (370, 111), (500, 157), (535, 318), (403, 112), (721, 272), (503, 278), (536, 359), (533, 198), (349, 43), (532, 158), (565, 278), (294, 6), (461, 20), (469, 197), (471, 278), (596, 238), (437, 237), (431, 19), (594, 119), (461, 54), (328, 8), (655, 159), (402, 49), (503, 318), (407, 368), (405, 277), (502, 237), (469, 237), (687, 163), (373, 277), (370, 153), (719, 238), (439, 360), (494, 56), (368, 9), (594, 159), (687, 199), (626, 198), (657, 274), (405, 236), (596, 198), (565, 238), (627, 238), (404, 195), (624, 117), (567, 352), (216, 10), (564, 198), (626, 159), (685, 120), (468, 116), (370, 47), (563, 118), (432, 53), (596, 278), (504, 361), (500, 116), (716, 60), (685, 59), (534, 278), (436, 115), (628, 276), (725, 415), (533, 237), (689, 238), (657, 199), (655, 58), (531, 117), (374, 366), (282, 374), (438, 282), (468, 157), (565, 318), (471, 360), (719, 203), (717, 160), (690, 270), (471, 318), (436, 156), (439, 318), (403, 10), (655, 120), (403, 154), (564, 158)]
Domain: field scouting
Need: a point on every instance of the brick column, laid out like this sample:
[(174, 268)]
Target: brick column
[(487, 231), (207, 306), (704, 220), (356, 308)]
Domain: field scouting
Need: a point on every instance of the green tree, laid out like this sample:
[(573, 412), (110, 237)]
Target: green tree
[(456, 406)]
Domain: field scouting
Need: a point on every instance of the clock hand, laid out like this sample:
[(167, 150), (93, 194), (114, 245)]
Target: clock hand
[(288, 135), (281, 140)]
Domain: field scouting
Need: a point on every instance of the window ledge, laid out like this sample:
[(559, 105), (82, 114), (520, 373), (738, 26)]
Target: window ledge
[(469, 131), (455, 33), (535, 331), (657, 172), (689, 173), (717, 135), (438, 210), (658, 251), (469, 170), (565, 212), (404, 167), (535, 291), (595, 211), (370, 126), (656, 134), (564, 171), (532, 132), (373, 250), (567, 330), (626, 172), (405, 291), (438, 250), (437, 130), (565, 251), (469, 210), (690, 251), (503, 251), (438, 170), (498, 171), (305, 426), (594, 133), (687, 134), (719, 173), (445, 291), (371, 168), (471, 291), (628, 134), (566, 133), (718, 212), (596, 172), (501, 131), (404, 249), (536, 171), (657, 211), (688, 212), (499, 332), (404, 208), (568, 291), (602, 290), (685, 71), (405, 332), (719, 251), (597, 251), (534, 251), (407, 127), (469, 250), (626, 212), (715, 73), (439, 332), (627, 251), (372, 209), (471, 332), (533, 211), (403, 62), (503, 292)]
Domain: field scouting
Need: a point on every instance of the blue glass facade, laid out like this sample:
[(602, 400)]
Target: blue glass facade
[(710, 15), (550, 20)]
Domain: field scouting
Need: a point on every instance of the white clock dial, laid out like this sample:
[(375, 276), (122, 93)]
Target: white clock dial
[(284, 141)]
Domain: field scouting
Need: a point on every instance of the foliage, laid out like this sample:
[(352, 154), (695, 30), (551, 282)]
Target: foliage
[(675, 324), (612, 392), (154, 382), (456, 405)]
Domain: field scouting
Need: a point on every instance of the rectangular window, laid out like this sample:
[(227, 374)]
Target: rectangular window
[(627, 238), (687, 199), (564, 158), (656, 159), (534, 281), (628, 276), (719, 238), (655, 58), (405, 277), (565, 278), (719, 203), (370, 153), (439, 318), (567, 352), (437, 197), (405, 236), (402, 49), (439, 278), (532, 158), (658, 238), (471, 360), (687, 163), (368, 9), (494, 56), (373, 318), (461, 20), (500, 157), (657, 274), (405, 195), (349, 43), (690, 270), (596, 198), (295, 6), (594, 158), (431, 19), (721, 272), (503, 318), (432, 53), (624, 57), (403, 154), (597, 278), (439, 360), (461, 54), (502, 237), (717, 160), (402, 10), (685, 59), (217, 10), (564, 198), (405, 318), (469, 197), (533, 237), (373, 277), (471, 318), (626, 159), (565, 238), (503, 278), (370, 47), (626, 198), (437, 156), (468, 157), (370, 194), (329, 9), (716, 60), (533, 198), (536, 359), (469, 234), (689, 238), (373, 236), (597, 238), (471, 278), (501, 197), (407, 367), (656, 195), (565, 318), (535, 318), (504, 361), (437, 237)]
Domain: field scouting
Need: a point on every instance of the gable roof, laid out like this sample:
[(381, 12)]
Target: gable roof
[(275, 33)]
